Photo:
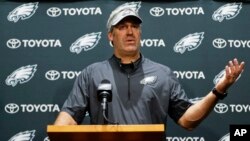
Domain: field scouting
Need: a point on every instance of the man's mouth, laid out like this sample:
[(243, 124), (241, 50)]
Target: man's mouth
[(130, 41)]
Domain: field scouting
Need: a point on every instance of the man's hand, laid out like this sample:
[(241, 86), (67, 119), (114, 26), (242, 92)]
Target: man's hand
[(233, 70)]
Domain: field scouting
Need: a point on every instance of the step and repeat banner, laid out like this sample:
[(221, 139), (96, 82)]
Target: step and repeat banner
[(44, 45)]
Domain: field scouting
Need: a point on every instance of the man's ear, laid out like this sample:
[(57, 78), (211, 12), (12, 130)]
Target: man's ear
[(110, 36)]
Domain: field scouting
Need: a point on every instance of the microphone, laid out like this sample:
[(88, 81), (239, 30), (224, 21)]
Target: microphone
[(104, 93)]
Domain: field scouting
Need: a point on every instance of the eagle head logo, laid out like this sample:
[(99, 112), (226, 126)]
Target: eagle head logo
[(21, 75), (148, 80), (227, 11), (219, 76), (86, 42), (189, 42), (23, 136), (131, 5), (225, 137), (22, 12)]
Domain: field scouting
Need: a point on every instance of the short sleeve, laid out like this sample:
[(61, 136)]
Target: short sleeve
[(179, 101), (77, 102)]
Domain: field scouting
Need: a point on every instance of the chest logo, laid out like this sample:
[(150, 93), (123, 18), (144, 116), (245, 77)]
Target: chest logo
[(148, 80)]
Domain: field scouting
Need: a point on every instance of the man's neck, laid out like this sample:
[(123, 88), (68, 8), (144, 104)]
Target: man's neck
[(129, 59)]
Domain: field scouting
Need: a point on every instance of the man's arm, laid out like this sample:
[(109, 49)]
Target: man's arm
[(200, 110), (65, 119)]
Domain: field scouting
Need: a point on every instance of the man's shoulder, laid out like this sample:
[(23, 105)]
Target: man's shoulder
[(100, 63), (97, 65), (157, 65)]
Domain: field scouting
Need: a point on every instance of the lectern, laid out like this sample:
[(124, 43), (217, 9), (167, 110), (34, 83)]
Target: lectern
[(142, 132)]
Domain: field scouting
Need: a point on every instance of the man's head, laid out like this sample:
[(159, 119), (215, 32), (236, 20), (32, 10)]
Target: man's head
[(124, 32), (119, 14)]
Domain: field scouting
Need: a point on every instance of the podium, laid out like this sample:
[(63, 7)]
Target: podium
[(141, 132)]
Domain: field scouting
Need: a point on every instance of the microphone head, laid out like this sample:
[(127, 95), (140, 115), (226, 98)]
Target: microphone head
[(104, 90), (105, 81), (105, 85)]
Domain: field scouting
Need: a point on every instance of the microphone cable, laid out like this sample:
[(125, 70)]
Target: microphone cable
[(109, 121)]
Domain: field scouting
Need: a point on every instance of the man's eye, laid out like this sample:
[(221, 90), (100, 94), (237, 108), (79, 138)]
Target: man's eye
[(135, 26), (121, 26)]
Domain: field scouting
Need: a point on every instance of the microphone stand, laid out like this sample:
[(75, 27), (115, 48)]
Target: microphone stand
[(105, 112)]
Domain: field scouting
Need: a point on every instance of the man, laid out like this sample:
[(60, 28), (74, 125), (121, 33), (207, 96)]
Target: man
[(144, 92)]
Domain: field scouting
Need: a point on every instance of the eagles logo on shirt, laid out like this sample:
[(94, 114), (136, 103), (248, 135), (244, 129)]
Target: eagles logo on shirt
[(148, 80)]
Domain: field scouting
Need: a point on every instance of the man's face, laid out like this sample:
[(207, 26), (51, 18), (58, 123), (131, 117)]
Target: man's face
[(125, 37)]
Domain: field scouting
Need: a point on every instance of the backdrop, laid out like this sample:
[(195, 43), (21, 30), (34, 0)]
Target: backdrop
[(45, 45)]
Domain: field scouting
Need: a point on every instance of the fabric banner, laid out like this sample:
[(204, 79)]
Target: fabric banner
[(44, 46)]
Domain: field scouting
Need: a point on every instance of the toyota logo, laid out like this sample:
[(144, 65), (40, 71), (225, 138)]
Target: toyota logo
[(13, 43), (52, 75), (219, 43), (156, 11), (11, 108), (54, 12), (221, 108)]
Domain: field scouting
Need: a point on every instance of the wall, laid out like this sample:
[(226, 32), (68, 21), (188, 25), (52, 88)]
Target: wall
[(39, 61)]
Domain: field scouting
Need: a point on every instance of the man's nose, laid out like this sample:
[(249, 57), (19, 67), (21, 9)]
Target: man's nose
[(129, 30)]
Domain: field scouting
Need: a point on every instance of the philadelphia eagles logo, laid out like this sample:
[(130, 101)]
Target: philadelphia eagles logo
[(23, 12), (24, 136), (148, 80), (21, 75), (219, 76), (225, 137), (189, 42), (131, 5), (86, 42), (228, 11)]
